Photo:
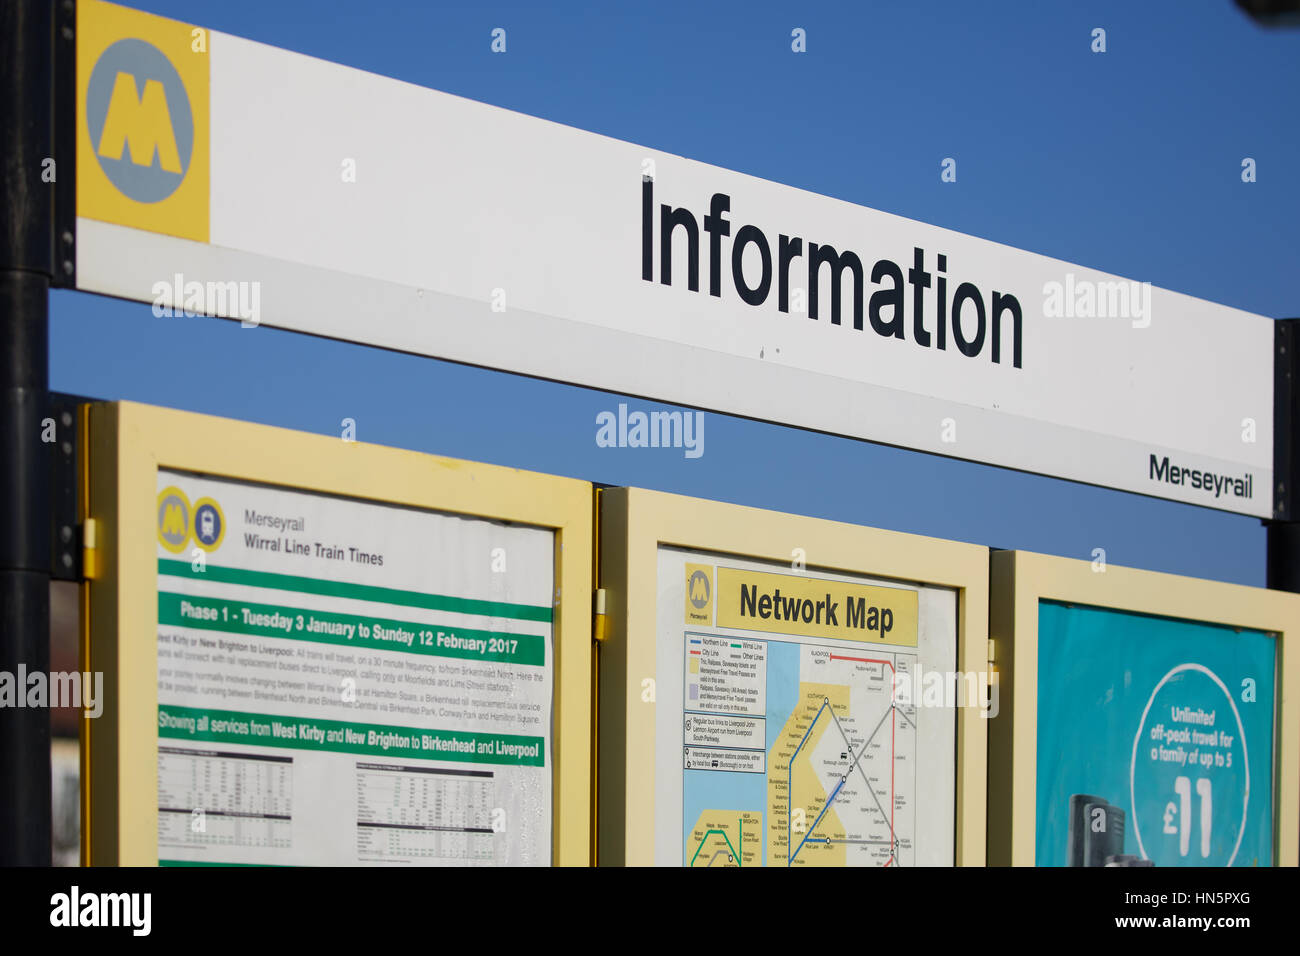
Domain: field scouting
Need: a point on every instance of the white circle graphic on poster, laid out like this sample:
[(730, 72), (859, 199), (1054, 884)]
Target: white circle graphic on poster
[(1208, 759)]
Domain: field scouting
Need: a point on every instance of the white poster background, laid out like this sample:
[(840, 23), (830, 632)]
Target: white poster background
[(426, 552)]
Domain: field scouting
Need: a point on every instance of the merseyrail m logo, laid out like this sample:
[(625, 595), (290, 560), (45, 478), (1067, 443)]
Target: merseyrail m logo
[(140, 121), (173, 519), (142, 91), (699, 594), (179, 522)]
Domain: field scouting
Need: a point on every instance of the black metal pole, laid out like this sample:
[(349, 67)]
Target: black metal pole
[(1284, 555), (1284, 530), (26, 270)]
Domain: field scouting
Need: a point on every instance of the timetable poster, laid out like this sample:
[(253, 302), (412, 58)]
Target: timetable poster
[(349, 683), (1155, 741)]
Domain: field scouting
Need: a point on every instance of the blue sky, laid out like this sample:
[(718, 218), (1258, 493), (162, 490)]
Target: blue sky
[(1127, 161)]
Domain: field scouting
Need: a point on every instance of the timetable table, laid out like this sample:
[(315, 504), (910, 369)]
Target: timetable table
[(424, 814), (220, 798)]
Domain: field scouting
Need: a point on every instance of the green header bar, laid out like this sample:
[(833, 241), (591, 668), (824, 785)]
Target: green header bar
[(371, 740), (360, 592), (271, 620)]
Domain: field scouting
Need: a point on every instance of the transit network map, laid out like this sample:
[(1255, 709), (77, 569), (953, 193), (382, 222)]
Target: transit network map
[(810, 735)]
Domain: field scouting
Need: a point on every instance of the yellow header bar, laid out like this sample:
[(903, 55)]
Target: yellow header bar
[(812, 607)]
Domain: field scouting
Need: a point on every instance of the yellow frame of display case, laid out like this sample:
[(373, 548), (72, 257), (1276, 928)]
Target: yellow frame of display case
[(128, 443), (1020, 580), (635, 523)]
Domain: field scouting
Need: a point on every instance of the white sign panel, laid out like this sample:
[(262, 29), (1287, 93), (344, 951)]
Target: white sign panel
[(354, 206), (340, 683)]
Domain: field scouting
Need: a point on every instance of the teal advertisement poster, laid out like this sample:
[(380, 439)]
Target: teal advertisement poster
[(1155, 741)]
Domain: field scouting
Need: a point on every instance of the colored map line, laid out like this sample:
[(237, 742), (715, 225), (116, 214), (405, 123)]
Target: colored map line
[(789, 786), (740, 838), (861, 660), (829, 801), (789, 792)]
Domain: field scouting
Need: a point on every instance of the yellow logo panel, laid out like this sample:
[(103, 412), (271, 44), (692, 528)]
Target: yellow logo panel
[(142, 121)]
